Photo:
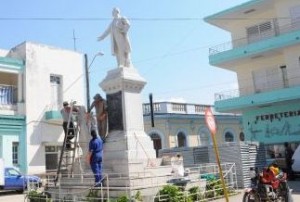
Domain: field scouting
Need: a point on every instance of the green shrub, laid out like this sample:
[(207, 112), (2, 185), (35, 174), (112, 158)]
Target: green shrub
[(194, 194), (214, 188), (36, 196), (172, 193), (138, 196), (123, 199), (219, 189)]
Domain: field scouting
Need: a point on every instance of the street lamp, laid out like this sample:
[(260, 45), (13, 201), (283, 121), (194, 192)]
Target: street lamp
[(87, 76)]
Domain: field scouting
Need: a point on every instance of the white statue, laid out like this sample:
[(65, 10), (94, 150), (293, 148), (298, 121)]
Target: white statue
[(120, 44)]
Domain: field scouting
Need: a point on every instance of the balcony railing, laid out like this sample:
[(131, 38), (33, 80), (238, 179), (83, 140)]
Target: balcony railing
[(275, 31), (176, 108), (8, 95), (266, 82)]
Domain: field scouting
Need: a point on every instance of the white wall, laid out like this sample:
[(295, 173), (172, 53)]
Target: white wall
[(42, 61)]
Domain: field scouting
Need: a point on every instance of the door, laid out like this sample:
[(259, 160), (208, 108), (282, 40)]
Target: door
[(181, 140), (295, 17), (156, 142)]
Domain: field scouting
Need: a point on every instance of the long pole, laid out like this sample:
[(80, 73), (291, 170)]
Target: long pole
[(219, 165), (151, 110), (211, 124), (87, 80)]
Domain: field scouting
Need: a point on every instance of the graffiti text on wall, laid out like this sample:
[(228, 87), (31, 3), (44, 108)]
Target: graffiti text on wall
[(270, 131)]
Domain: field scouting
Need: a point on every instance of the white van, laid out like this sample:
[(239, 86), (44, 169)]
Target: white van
[(296, 160)]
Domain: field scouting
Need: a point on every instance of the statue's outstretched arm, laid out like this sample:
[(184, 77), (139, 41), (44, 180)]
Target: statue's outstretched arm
[(105, 33)]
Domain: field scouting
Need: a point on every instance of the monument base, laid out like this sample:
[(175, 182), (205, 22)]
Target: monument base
[(128, 153)]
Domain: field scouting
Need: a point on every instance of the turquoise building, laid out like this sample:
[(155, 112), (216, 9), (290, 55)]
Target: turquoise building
[(12, 123), (265, 54)]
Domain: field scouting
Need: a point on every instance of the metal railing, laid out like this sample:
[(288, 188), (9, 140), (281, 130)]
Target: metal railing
[(84, 189), (206, 177), (8, 94), (172, 107), (266, 83), (275, 31)]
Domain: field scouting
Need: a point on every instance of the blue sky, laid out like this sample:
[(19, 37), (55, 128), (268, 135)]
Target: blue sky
[(169, 40)]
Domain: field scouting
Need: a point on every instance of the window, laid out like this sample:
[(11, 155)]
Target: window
[(260, 31), (56, 91), (181, 139), (15, 153), (229, 137), (204, 137), (55, 79), (295, 16), (12, 172), (267, 79), (52, 157)]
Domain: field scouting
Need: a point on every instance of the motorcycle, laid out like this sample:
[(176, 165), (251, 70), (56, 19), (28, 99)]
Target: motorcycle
[(266, 186)]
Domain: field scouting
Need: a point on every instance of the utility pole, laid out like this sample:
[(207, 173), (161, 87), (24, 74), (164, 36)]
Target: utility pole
[(87, 80), (87, 76)]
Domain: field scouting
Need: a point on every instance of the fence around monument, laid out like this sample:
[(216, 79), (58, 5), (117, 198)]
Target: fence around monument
[(198, 176)]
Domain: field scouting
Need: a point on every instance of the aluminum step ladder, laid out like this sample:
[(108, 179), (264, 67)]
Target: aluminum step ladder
[(69, 147)]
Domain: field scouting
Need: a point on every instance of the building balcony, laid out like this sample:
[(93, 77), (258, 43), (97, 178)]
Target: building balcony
[(11, 93), (269, 89), (8, 100), (53, 116), (277, 37), (8, 64)]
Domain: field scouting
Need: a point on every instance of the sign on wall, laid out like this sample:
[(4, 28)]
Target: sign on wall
[(115, 111), (273, 124)]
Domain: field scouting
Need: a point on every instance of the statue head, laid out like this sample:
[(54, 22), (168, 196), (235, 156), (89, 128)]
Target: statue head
[(116, 12)]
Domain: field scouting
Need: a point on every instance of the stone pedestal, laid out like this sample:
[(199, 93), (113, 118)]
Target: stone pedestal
[(128, 149), (129, 159)]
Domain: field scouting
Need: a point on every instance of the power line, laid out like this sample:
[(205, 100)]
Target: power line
[(132, 19), (50, 19)]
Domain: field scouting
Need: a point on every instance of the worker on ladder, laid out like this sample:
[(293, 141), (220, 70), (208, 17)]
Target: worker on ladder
[(101, 115), (68, 124)]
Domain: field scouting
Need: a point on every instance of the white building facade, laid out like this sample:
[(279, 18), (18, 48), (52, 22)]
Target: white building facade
[(34, 81)]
